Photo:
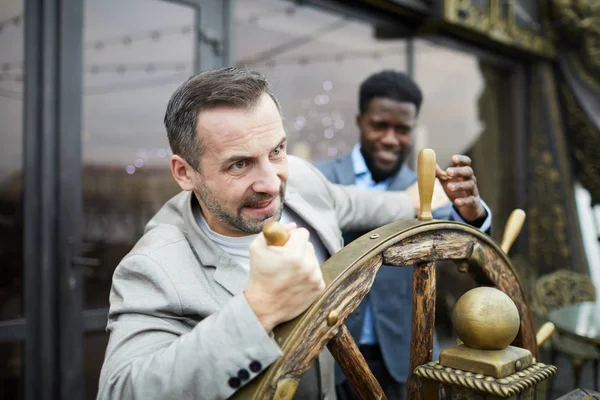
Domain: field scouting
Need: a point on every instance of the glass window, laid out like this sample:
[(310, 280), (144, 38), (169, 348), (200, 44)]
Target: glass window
[(316, 61), (528, 14), (11, 159), (11, 371), (451, 82), (93, 352), (466, 109), (135, 55)]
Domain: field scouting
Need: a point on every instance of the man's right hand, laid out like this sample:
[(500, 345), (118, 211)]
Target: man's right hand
[(284, 280)]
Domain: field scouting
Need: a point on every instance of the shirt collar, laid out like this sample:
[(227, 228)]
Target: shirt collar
[(358, 162)]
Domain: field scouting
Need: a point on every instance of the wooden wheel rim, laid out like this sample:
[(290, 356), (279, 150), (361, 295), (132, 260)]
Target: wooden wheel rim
[(360, 260)]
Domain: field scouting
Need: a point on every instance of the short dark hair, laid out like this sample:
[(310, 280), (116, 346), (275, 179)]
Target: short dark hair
[(221, 87), (392, 85)]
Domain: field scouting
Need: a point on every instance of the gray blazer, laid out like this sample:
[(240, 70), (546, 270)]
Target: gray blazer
[(180, 326)]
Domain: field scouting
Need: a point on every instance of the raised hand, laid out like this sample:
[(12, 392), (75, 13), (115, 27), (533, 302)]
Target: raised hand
[(460, 184)]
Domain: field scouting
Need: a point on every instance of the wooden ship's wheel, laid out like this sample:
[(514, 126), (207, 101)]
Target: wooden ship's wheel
[(349, 275)]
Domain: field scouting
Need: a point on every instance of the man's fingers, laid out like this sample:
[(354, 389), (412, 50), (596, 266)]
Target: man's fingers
[(440, 173), (460, 159), (470, 201), (259, 241), (316, 275), (290, 227), (467, 186), (298, 238), (465, 172)]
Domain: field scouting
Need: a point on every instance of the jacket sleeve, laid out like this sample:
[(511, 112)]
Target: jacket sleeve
[(362, 210), (356, 209), (326, 168), (155, 352)]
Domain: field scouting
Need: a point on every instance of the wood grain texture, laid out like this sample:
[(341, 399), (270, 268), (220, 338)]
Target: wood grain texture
[(349, 275), (426, 180), (513, 227), (430, 246), (423, 304), (346, 353), (300, 351), (491, 267)]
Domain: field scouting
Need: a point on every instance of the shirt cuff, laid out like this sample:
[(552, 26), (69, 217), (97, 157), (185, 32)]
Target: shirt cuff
[(487, 223)]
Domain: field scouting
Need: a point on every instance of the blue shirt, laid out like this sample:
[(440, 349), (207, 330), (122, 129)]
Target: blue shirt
[(364, 180)]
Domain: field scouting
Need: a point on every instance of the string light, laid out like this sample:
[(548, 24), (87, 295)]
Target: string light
[(9, 66), (133, 85), (294, 43), (14, 21), (125, 40), (339, 57), (11, 77), (148, 67), (142, 157), (120, 87), (256, 18), (130, 39), (11, 94)]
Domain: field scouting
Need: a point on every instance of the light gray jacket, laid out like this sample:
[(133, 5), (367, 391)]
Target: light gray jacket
[(180, 327)]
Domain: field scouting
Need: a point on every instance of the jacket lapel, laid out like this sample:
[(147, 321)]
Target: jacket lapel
[(331, 241), (403, 179), (228, 273), (344, 170)]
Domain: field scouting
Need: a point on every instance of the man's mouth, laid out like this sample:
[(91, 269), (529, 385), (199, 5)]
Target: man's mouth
[(261, 204), (387, 156), (261, 208)]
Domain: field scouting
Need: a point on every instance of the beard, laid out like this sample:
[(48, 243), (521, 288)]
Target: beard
[(236, 220), (379, 174)]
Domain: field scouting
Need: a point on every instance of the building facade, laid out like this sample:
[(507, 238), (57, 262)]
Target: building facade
[(84, 155)]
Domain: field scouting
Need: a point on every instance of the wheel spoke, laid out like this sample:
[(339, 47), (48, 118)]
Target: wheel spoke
[(345, 351), (423, 321)]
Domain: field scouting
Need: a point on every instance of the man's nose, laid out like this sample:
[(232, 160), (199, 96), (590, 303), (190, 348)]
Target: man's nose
[(268, 180), (389, 138)]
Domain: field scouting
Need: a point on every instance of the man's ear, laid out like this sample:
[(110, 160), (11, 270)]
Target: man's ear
[(358, 120), (182, 172)]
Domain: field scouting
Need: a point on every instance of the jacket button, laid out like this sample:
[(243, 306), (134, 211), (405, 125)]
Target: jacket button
[(234, 382), (243, 374), (255, 366)]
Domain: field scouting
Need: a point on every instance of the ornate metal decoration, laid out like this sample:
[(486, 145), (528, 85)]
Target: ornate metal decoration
[(504, 387), (495, 20)]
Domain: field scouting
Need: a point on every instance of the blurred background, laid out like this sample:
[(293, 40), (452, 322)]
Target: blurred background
[(84, 155)]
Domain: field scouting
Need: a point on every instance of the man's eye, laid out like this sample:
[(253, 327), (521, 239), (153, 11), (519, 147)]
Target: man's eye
[(239, 165), (402, 130), (278, 150), (380, 126)]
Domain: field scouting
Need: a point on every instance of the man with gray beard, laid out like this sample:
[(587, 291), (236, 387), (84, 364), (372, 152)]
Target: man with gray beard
[(192, 306)]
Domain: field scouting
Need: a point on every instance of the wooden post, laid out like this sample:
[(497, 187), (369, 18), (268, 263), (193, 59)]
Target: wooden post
[(423, 305)]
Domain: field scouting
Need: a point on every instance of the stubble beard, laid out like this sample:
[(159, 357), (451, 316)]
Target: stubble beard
[(237, 220), (379, 174)]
